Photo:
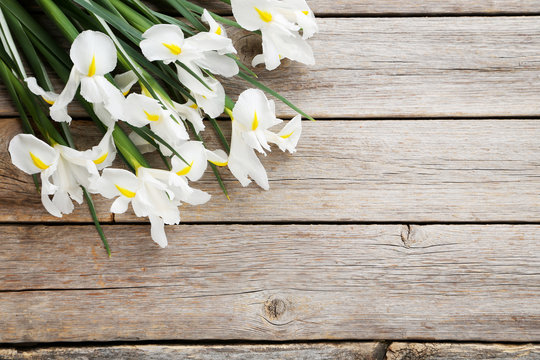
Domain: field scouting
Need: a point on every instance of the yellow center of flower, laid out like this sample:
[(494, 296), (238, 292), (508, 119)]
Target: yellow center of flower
[(92, 67), (193, 106), (127, 193), (101, 159), (217, 163), (185, 170), (287, 135), (50, 102), (305, 12), (218, 30), (37, 161), (151, 117), (264, 15), (175, 49), (255, 122)]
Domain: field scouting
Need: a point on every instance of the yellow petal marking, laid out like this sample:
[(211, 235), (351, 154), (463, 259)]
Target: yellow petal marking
[(151, 117), (194, 106), (101, 159), (264, 15), (287, 135), (185, 170), (305, 12), (218, 30), (126, 92), (175, 49), (255, 122), (37, 161), (92, 67), (217, 163), (127, 193), (50, 102)]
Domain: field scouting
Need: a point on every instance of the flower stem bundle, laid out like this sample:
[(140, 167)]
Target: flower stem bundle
[(118, 46)]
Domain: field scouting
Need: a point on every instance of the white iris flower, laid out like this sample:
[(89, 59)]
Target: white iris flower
[(252, 116), (63, 170), (279, 23)]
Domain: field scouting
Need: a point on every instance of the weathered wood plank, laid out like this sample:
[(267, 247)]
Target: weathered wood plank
[(452, 351), (410, 171), (410, 7), (387, 7), (315, 351), (272, 282), (407, 67)]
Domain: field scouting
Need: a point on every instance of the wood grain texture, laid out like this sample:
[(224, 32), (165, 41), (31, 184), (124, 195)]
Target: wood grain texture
[(448, 351), (408, 7), (272, 282), (405, 67), (403, 171), (374, 7), (315, 351)]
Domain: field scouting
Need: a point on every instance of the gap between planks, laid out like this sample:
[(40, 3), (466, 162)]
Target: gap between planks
[(311, 351)]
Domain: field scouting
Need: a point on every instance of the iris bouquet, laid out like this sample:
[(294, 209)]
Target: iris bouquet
[(155, 74)]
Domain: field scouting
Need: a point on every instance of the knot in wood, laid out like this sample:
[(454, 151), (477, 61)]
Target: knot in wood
[(275, 308)]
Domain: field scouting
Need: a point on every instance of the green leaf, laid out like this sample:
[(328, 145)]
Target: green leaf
[(133, 17), (99, 229), (170, 20), (220, 135), (185, 12), (28, 22), (272, 92), (59, 18), (199, 10)]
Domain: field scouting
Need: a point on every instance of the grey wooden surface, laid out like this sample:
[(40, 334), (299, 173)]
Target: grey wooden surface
[(271, 282), (402, 171), (408, 216)]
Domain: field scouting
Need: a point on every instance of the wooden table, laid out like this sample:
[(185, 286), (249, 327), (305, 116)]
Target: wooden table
[(406, 226)]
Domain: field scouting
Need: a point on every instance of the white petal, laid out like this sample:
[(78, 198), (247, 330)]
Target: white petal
[(113, 179), (214, 26), (30, 154), (141, 144), (62, 202), (205, 41), (218, 64), (245, 14), (112, 97), (59, 108), (215, 104), (125, 81), (104, 115), (190, 112), (290, 45), (253, 110), (197, 197), (155, 40), (272, 57), (257, 60), (243, 162), (193, 152), (157, 229), (138, 109), (90, 90), (120, 205), (93, 47), (49, 96), (217, 157), (192, 83)]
